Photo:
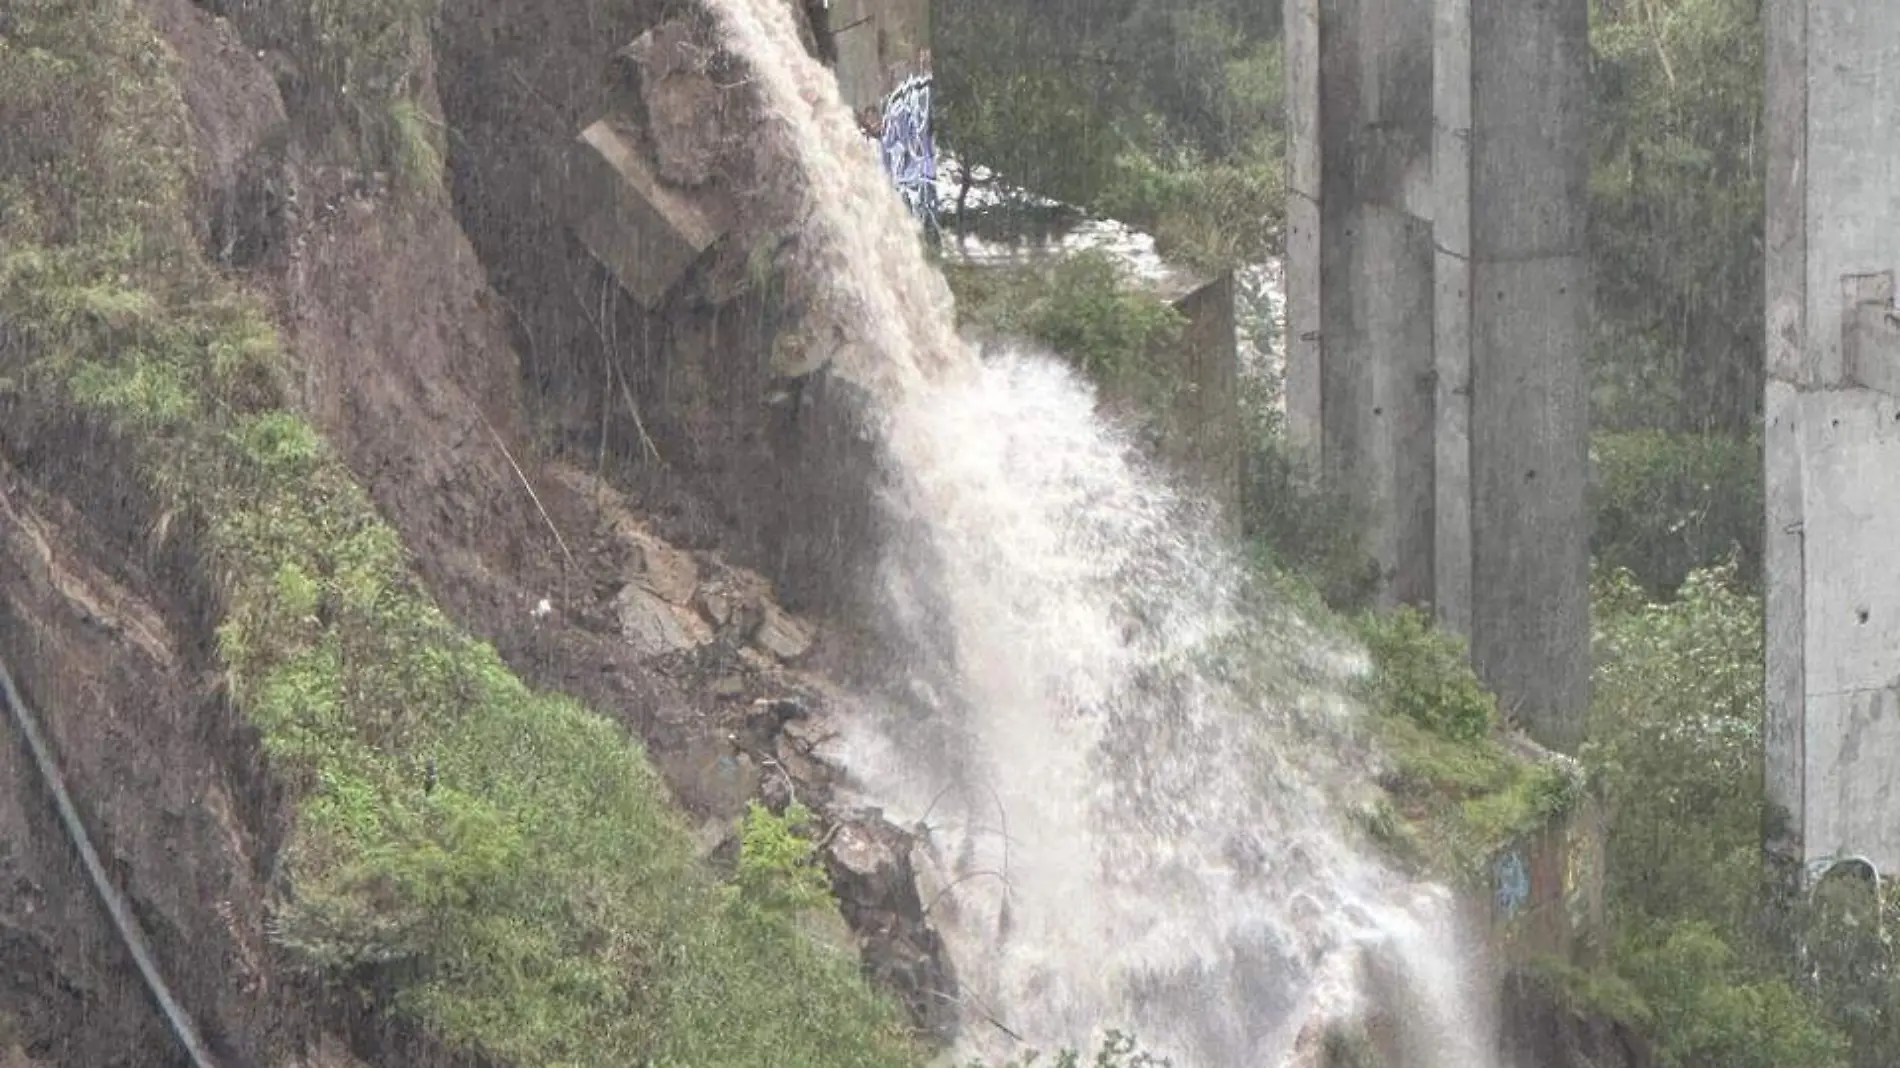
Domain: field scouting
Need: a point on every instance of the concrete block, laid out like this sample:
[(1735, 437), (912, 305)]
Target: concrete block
[(878, 43), (1204, 414), (1529, 94), (644, 232), (1360, 271), (1451, 442), (1305, 348), (1851, 627), (1377, 389), (1785, 608)]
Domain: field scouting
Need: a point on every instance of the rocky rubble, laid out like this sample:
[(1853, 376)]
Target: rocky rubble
[(717, 630)]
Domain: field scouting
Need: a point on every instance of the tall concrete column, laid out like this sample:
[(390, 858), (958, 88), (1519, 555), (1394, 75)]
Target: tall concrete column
[(1437, 303), (1513, 306), (1832, 434), (1360, 270)]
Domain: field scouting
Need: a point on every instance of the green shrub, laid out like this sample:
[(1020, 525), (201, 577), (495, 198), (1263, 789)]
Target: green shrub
[(1461, 793), (1675, 732), (1082, 308), (1668, 504), (1708, 1007), (1207, 214), (778, 866), (1422, 674)]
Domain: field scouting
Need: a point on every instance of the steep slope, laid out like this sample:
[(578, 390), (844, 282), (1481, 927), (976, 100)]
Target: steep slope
[(257, 405)]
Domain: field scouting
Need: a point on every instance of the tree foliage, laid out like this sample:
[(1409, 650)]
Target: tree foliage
[(1676, 213), (1165, 114)]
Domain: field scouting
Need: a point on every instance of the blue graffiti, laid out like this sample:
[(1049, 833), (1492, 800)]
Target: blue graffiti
[(1514, 883), (909, 149)]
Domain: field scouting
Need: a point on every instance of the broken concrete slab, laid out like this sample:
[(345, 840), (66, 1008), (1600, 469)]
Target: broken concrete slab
[(647, 234)]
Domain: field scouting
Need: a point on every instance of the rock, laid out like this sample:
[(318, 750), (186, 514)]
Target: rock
[(781, 635), (649, 623), (728, 687), (769, 716), (872, 876), (869, 862), (665, 570), (807, 733), (716, 606), (684, 106), (710, 779)]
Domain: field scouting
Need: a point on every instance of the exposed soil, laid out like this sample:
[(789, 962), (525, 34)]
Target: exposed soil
[(429, 382)]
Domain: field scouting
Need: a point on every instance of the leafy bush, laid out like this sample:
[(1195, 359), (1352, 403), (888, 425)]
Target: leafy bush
[(1707, 1006), (778, 868), (1676, 742), (1667, 504), (1462, 795), (1422, 673), (1082, 308), (1677, 746), (1169, 116)]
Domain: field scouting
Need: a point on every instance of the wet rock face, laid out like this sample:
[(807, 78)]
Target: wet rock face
[(1541, 1028), (872, 875), (868, 858)]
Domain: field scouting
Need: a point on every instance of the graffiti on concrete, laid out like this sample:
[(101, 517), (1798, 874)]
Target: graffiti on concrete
[(909, 149), (1513, 883)]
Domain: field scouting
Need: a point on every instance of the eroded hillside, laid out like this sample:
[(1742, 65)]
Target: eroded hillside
[(303, 523)]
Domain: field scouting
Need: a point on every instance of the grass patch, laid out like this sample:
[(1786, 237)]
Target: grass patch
[(1458, 793), (507, 859)]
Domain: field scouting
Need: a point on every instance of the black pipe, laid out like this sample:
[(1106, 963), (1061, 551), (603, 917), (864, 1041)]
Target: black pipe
[(115, 902)]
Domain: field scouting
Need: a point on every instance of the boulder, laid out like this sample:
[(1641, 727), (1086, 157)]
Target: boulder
[(671, 64), (649, 623), (665, 570), (780, 634), (875, 882)]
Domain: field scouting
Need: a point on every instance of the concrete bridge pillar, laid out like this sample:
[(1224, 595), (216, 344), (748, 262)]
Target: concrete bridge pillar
[(1832, 450), (1437, 307)]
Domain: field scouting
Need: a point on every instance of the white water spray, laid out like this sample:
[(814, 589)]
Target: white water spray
[(1131, 830)]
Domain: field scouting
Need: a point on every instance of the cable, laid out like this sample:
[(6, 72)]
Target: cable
[(116, 905)]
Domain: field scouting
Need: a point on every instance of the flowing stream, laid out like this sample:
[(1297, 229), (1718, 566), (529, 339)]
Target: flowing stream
[(1132, 771)]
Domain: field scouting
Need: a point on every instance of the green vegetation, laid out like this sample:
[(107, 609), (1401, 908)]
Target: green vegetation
[(1081, 307), (1676, 214), (1458, 794), (1166, 115), (360, 73), (778, 863), (1666, 504), (506, 861)]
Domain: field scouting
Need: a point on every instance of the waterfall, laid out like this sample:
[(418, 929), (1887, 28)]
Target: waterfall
[(1131, 771)]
